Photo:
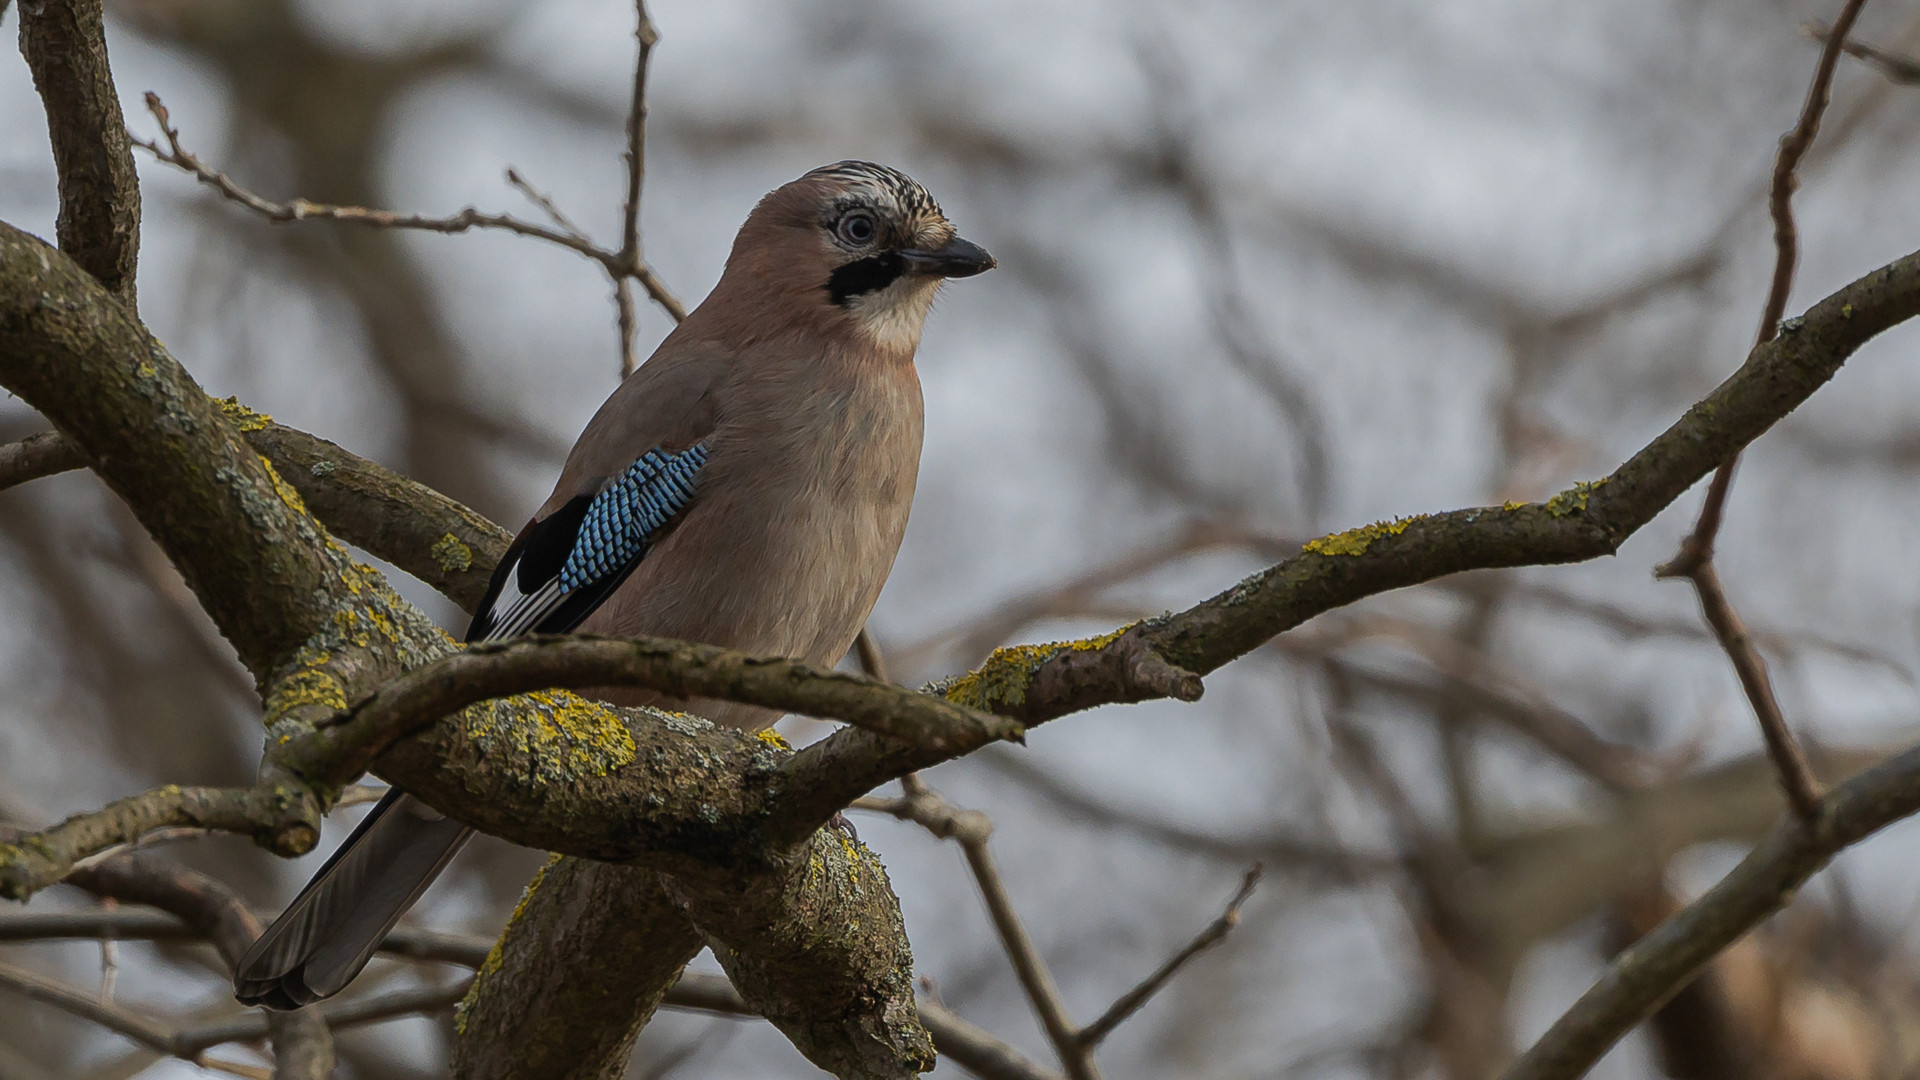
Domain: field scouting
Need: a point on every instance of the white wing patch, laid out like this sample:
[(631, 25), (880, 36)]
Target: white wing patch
[(516, 612)]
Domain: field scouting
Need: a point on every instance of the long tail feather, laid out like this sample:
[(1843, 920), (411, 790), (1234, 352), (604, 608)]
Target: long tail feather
[(334, 926)]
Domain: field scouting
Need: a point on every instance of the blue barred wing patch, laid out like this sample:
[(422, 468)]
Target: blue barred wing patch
[(604, 539), (627, 512)]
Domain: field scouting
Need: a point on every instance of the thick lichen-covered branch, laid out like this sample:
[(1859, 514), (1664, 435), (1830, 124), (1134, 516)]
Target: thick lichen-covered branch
[(817, 946), (238, 534), (340, 749), (405, 522)]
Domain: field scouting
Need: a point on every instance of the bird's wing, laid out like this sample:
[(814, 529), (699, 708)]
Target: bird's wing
[(635, 470)]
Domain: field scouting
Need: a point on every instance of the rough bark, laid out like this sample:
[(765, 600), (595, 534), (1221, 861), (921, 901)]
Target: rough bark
[(547, 1002), (65, 45)]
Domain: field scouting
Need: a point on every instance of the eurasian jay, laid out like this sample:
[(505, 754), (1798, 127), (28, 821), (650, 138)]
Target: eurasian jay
[(746, 487)]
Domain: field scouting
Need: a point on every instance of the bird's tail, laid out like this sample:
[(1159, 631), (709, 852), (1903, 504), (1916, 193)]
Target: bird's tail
[(332, 928)]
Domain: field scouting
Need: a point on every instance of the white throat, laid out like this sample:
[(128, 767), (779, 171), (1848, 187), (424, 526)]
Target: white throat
[(892, 317)]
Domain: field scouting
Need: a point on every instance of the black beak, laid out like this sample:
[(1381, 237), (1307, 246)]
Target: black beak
[(960, 258)]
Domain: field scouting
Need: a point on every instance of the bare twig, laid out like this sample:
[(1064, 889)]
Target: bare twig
[(86, 1006), (303, 210), (337, 1013), (1897, 68), (1695, 558), (545, 203), (1131, 1001), (1042, 994), (620, 266), (872, 660), (629, 255), (972, 830)]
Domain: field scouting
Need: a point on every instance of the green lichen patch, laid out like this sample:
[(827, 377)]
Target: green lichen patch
[(451, 555), (1356, 541), (309, 683), (1004, 678), (242, 417), (1574, 499), (560, 734)]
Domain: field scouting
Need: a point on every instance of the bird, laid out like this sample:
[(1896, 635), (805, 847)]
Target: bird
[(747, 486)]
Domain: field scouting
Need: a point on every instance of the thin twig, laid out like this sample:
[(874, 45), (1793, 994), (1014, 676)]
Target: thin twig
[(300, 209), (1786, 241), (544, 202), (86, 1006), (872, 660), (619, 266), (972, 830), (628, 321), (1898, 69), (1131, 1001), (1038, 982), (645, 35), (1694, 561), (631, 265), (338, 1014)]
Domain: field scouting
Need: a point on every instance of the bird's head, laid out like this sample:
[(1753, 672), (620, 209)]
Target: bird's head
[(865, 245)]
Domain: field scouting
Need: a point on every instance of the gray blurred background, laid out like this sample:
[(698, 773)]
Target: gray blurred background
[(1268, 270)]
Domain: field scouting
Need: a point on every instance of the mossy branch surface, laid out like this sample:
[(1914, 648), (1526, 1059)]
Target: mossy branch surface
[(340, 749), (252, 556)]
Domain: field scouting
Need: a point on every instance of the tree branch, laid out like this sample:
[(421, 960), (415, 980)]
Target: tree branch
[(533, 1013), (1653, 969), (284, 818), (243, 543), (1695, 558), (340, 748), (1038, 683), (416, 528), (619, 265), (65, 44)]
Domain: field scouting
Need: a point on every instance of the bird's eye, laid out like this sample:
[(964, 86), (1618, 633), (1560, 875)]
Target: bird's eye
[(856, 228)]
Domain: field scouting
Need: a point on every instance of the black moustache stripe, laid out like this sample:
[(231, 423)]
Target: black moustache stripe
[(863, 276)]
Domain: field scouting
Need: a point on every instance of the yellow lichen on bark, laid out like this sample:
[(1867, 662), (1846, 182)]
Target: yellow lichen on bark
[(451, 555), (1005, 675), (1357, 541), (242, 417), (496, 955)]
